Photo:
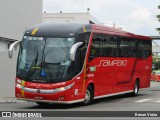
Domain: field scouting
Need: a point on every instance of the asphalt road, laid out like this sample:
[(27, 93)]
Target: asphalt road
[(147, 100)]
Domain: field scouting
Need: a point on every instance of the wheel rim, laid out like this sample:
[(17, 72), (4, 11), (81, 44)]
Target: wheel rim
[(87, 96), (136, 89)]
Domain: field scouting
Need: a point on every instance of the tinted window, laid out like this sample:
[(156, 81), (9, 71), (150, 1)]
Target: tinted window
[(96, 47), (145, 49), (104, 46), (110, 48), (127, 48), (81, 51), (116, 46)]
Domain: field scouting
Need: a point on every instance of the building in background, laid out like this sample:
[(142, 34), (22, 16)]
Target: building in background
[(70, 17), (16, 16)]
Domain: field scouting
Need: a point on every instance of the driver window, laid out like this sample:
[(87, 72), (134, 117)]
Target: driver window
[(96, 48)]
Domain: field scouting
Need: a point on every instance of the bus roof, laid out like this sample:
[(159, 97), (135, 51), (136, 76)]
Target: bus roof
[(116, 32), (58, 29), (72, 29)]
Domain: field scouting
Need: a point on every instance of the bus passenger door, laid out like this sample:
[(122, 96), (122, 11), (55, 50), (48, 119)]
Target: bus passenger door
[(93, 72)]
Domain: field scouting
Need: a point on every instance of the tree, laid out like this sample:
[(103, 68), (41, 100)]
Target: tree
[(158, 16)]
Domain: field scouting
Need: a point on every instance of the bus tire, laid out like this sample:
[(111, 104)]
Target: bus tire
[(42, 103), (89, 96), (136, 88)]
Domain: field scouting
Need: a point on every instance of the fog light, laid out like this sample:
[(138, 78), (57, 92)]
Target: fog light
[(61, 98)]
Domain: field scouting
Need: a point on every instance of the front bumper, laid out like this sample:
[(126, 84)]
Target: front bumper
[(52, 101), (63, 94)]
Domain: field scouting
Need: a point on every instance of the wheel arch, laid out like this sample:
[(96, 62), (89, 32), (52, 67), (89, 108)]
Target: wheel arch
[(89, 97), (138, 80), (92, 85)]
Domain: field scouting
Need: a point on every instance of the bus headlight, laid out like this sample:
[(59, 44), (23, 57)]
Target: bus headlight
[(19, 86), (64, 88)]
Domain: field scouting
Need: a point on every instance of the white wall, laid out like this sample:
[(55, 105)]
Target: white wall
[(16, 15), (69, 17), (7, 74), (3, 45)]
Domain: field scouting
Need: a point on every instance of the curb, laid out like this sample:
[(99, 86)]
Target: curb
[(10, 100)]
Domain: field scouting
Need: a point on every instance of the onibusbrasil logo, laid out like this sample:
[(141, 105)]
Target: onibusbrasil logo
[(21, 114)]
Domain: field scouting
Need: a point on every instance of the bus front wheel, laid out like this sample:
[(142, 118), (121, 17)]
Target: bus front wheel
[(89, 96)]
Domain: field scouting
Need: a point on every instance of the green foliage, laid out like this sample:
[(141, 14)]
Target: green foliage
[(156, 61), (158, 29)]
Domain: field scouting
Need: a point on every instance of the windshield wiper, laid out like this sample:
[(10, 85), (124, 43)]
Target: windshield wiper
[(34, 62)]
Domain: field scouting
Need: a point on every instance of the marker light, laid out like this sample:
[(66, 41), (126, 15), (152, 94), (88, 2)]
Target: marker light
[(18, 80)]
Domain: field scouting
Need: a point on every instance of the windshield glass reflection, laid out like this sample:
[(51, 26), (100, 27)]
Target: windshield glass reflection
[(45, 59)]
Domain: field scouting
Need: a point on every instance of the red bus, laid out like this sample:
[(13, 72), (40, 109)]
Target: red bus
[(70, 63)]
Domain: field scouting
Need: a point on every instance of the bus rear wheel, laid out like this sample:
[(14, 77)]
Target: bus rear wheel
[(89, 96), (136, 89)]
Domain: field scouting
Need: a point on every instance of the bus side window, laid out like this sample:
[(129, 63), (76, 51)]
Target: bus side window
[(92, 52), (127, 47), (145, 48), (96, 48), (110, 48)]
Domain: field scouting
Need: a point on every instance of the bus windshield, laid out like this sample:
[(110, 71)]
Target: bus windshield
[(44, 59)]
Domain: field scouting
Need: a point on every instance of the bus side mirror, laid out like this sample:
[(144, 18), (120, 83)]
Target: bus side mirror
[(11, 47), (74, 49)]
